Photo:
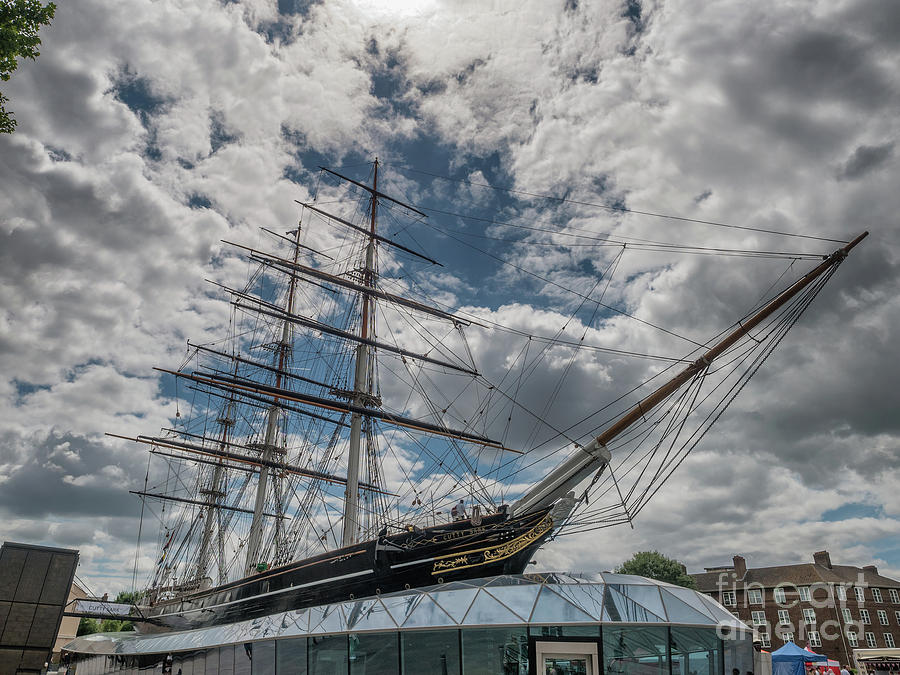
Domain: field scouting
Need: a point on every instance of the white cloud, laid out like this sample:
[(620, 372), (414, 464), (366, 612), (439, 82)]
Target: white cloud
[(773, 115)]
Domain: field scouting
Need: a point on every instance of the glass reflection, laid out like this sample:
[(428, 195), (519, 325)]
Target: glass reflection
[(635, 650), (242, 656), (290, 656), (430, 651), (263, 662), (495, 651), (327, 655), (695, 651), (374, 654)]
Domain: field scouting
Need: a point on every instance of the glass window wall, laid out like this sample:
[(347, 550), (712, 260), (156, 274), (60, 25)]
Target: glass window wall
[(695, 651), (327, 655), (495, 651), (226, 660), (290, 656), (242, 656), (374, 654), (430, 651), (263, 658), (636, 650)]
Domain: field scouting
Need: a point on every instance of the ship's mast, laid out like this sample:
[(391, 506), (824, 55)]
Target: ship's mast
[(361, 392), (215, 495), (268, 448)]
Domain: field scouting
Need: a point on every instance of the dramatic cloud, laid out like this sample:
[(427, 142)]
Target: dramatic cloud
[(150, 131)]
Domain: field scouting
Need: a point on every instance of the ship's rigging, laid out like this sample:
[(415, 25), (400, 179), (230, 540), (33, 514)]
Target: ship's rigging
[(341, 408)]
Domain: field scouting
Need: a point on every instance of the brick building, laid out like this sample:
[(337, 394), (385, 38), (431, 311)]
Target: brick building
[(831, 608)]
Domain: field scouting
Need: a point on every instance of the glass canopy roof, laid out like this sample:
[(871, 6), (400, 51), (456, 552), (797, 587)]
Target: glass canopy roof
[(546, 598)]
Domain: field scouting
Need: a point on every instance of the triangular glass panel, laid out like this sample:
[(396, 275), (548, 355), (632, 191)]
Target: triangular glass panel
[(719, 613), (689, 597), (624, 579), (510, 580), (327, 619), (646, 596), (486, 610), (455, 602), (401, 606), (581, 596), (427, 613), (451, 586), (681, 612), (618, 607), (520, 599), (553, 608), (370, 615), (293, 622)]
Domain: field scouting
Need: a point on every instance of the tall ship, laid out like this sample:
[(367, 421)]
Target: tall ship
[(342, 441)]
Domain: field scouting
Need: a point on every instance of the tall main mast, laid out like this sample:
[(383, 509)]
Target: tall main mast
[(361, 393), (268, 447)]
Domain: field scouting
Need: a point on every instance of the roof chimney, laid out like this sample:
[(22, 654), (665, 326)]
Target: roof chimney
[(870, 568), (822, 559), (740, 566)]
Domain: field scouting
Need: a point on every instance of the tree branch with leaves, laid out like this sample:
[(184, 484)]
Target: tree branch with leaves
[(20, 21), (655, 565)]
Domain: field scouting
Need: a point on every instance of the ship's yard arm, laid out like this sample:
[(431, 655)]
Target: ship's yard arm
[(595, 456)]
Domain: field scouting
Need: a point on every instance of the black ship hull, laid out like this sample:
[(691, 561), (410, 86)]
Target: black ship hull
[(421, 557)]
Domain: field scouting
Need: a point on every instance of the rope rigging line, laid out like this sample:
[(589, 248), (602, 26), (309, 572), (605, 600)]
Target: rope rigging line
[(619, 209), (670, 461)]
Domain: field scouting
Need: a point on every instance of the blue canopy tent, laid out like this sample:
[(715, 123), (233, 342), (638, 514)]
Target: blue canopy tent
[(792, 660)]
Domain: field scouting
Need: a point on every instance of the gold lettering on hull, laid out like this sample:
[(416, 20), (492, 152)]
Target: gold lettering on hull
[(495, 553), (450, 564)]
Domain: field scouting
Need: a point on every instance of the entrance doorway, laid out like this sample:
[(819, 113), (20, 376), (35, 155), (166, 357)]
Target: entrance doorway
[(566, 658)]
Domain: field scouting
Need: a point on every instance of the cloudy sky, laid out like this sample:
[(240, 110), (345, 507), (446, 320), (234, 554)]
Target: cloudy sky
[(150, 130)]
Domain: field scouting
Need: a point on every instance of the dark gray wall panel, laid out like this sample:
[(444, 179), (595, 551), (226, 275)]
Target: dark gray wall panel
[(58, 581), (18, 625), (31, 583), (12, 560)]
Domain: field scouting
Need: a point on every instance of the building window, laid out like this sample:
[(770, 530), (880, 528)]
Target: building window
[(291, 651), (889, 640), (846, 614), (895, 595), (882, 617), (779, 595), (764, 639), (814, 640), (841, 592), (759, 618), (754, 596), (493, 650), (864, 615), (852, 638), (328, 653), (897, 616), (804, 593), (369, 653), (728, 599), (860, 593), (787, 637), (870, 640), (876, 594), (809, 616), (783, 617)]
